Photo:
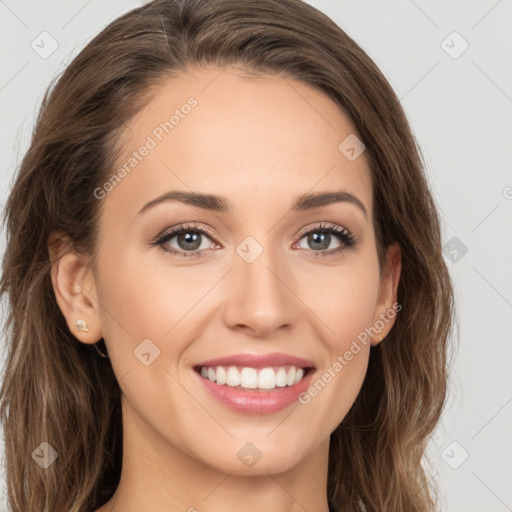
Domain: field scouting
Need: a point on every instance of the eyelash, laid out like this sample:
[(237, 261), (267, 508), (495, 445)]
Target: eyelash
[(348, 241)]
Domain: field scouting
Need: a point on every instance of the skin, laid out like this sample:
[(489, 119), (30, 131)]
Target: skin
[(260, 143)]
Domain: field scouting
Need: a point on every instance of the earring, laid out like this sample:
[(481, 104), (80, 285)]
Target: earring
[(378, 340), (99, 351), (82, 326)]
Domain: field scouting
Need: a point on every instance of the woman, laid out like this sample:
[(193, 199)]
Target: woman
[(294, 356)]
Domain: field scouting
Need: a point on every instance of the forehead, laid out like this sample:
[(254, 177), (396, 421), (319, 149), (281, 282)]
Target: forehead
[(245, 137)]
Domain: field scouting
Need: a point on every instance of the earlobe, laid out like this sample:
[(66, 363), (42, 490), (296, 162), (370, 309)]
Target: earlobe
[(74, 289), (385, 312)]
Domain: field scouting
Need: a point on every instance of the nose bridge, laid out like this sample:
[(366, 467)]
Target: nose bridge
[(258, 298)]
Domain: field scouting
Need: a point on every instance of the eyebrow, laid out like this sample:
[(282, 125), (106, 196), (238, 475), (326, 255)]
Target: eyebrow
[(219, 204)]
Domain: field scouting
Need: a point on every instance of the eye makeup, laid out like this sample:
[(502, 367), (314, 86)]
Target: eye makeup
[(191, 233)]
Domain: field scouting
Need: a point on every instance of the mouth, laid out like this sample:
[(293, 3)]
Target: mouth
[(254, 383), (248, 378)]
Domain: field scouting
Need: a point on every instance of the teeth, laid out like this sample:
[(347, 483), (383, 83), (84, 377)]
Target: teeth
[(253, 378), (249, 378), (233, 377), (267, 379), (281, 378), (290, 378), (221, 375)]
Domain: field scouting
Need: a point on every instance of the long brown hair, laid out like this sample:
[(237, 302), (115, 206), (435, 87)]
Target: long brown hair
[(57, 390)]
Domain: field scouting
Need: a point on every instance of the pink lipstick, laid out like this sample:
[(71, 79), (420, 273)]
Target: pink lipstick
[(255, 384)]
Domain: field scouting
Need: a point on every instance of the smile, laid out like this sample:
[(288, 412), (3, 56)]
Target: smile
[(248, 378)]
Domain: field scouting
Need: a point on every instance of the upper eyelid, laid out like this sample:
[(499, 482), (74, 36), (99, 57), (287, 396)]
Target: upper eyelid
[(189, 226), (170, 232), (320, 226)]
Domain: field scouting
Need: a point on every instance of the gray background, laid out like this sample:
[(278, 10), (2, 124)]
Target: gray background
[(460, 106)]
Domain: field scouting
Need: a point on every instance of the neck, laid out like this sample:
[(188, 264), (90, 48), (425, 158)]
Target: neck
[(159, 476)]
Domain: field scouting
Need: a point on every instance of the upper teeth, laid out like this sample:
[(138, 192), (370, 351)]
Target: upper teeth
[(253, 378)]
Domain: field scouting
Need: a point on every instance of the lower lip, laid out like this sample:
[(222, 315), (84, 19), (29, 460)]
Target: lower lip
[(257, 402)]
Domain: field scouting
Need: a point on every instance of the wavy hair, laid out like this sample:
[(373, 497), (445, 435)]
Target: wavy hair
[(57, 390)]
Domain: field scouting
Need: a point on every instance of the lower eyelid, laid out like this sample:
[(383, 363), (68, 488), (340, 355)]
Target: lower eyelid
[(163, 241)]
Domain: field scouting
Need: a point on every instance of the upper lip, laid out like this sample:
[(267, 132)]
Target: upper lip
[(258, 361)]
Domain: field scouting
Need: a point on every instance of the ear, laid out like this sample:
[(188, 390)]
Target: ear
[(74, 288), (386, 310)]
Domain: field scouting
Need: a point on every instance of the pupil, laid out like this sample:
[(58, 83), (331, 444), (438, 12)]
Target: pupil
[(325, 239), (189, 238)]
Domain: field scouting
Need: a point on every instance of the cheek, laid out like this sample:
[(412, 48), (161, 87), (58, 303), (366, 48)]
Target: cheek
[(146, 301), (348, 312), (156, 301), (352, 310), (343, 298)]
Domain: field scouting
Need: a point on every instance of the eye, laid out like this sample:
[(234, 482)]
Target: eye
[(190, 241), (320, 240), (187, 241)]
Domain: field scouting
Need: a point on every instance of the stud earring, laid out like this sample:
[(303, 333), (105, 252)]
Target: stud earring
[(82, 326)]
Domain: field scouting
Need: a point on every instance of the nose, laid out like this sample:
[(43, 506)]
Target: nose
[(259, 300)]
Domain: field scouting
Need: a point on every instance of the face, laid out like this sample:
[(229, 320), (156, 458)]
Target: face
[(261, 277)]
